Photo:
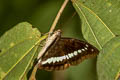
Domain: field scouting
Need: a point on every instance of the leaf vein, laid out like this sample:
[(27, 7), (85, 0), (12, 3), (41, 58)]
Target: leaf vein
[(98, 19), (89, 26), (42, 38)]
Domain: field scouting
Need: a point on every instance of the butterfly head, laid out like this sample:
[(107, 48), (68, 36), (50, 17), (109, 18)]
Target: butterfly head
[(57, 33)]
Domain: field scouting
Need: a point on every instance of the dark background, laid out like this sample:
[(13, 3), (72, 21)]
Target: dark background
[(41, 13)]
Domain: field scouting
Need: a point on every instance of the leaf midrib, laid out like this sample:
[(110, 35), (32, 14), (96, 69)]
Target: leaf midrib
[(97, 18), (89, 26), (42, 38)]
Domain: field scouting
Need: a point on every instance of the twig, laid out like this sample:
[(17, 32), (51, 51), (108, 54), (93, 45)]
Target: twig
[(52, 28), (32, 77), (58, 16)]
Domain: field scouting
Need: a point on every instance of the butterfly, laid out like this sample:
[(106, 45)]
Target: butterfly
[(63, 52)]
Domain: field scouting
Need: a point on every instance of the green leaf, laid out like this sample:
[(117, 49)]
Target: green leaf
[(100, 20), (108, 64), (18, 47)]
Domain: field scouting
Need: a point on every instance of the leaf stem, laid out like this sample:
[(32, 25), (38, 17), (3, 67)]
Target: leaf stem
[(58, 16)]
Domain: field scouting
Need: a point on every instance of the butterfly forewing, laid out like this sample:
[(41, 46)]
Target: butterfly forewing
[(65, 52)]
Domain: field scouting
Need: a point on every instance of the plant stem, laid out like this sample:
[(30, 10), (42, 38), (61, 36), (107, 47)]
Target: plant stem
[(32, 77), (58, 16)]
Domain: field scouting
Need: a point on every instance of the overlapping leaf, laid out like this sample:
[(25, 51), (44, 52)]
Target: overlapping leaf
[(100, 23), (18, 47), (100, 20), (108, 65)]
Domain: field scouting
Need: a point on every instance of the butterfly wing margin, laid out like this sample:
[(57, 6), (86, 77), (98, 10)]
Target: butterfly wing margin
[(67, 51)]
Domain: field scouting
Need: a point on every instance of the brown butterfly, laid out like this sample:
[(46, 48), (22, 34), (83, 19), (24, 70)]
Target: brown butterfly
[(64, 52)]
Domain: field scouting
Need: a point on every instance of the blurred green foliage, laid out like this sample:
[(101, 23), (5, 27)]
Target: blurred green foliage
[(41, 13)]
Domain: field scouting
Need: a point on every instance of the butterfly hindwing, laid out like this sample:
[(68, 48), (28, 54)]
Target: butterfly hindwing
[(65, 52)]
